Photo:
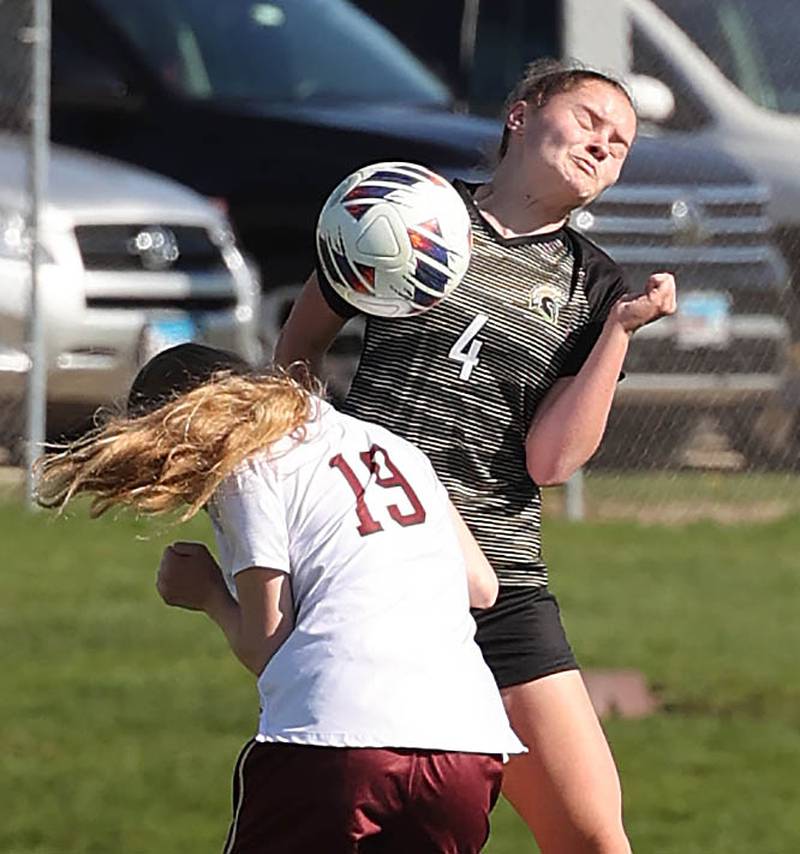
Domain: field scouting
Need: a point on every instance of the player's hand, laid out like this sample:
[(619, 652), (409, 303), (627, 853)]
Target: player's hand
[(188, 576), (658, 300)]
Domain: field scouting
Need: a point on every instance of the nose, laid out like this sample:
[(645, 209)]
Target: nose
[(598, 149)]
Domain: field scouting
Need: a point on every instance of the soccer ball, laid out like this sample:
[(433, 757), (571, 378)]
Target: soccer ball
[(394, 239)]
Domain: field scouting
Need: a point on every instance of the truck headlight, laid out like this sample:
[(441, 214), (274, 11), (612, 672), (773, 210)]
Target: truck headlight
[(224, 237), (15, 239)]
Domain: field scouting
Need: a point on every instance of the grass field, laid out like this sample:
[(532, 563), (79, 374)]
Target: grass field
[(670, 497), (120, 720)]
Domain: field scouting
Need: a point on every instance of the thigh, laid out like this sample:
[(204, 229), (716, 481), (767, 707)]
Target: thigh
[(566, 787)]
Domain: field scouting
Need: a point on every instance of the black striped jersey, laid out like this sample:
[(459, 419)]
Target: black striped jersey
[(462, 381)]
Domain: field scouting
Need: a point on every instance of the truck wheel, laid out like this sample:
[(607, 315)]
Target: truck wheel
[(12, 433), (765, 435), (643, 438)]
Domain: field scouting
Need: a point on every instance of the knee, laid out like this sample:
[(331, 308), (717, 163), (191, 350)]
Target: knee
[(609, 841), (571, 839)]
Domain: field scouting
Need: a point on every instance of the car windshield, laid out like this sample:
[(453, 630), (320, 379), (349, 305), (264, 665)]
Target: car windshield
[(753, 44), (282, 50)]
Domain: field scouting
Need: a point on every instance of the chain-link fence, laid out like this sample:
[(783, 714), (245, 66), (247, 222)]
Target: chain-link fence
[(707, 414), (705, 424), (722, 454), (16, 97)]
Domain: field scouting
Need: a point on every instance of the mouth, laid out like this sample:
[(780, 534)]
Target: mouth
[(585, 166)]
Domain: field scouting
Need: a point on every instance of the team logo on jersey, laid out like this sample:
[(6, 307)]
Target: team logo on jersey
[(544, 300)]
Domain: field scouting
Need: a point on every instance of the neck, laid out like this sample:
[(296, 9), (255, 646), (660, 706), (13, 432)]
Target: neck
[(514, 210)]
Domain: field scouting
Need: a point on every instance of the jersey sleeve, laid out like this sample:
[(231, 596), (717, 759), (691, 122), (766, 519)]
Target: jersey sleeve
[(336, 304), (223, 548), (605, 282), (249, 509)]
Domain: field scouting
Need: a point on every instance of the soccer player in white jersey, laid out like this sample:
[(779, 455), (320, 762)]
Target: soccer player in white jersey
[(506, 386), (344, 585)]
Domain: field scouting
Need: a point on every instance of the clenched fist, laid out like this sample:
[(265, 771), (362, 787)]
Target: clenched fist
[(658, 300), (188, 576)]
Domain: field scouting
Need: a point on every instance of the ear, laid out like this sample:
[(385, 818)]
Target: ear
[(515, 120)]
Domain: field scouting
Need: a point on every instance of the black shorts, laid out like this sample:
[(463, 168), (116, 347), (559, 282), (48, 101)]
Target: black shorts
[(521, 636)]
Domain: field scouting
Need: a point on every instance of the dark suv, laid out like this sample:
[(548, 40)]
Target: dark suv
[(266, 105)]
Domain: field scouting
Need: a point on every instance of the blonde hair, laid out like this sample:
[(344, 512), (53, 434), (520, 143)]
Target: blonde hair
[(178, 454)]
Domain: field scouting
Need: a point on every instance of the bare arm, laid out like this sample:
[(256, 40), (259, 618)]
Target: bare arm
[(570, 421), (255, 626), (309, 330), (481, 578)]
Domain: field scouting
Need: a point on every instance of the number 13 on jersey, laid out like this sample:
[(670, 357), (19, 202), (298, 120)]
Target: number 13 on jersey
[(467, 346)]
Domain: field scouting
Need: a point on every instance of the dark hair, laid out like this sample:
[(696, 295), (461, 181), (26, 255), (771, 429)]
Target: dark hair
[(177, 370), (194, 414), (548, 77)]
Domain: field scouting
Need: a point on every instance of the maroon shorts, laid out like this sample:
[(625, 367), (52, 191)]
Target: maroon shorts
[(296, 799)]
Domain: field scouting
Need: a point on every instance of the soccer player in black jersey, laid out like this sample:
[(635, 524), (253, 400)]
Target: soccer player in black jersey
[(507, 387)]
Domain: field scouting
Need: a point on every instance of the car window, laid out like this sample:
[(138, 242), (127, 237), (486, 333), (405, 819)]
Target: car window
[(510, 34), (14, 62), (78, 68), (282, 50), (481, 57), (754, 45)]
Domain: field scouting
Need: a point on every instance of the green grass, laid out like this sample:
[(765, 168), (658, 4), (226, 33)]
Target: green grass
[(681, 496), (120, 719), (718, 486)]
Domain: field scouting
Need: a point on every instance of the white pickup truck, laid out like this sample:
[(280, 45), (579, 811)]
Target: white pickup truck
[(133, 262)]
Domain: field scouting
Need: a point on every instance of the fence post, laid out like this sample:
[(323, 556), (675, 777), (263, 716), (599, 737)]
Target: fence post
[(574, 497), (39, 36)]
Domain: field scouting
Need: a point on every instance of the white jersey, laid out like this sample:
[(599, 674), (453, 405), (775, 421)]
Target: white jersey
[(382, 653)]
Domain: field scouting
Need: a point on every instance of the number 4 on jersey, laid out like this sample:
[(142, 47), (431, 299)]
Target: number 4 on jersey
[(467, 347)]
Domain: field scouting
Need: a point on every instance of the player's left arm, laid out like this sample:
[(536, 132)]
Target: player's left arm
[(481, 578), (255, 626), (571, 419)]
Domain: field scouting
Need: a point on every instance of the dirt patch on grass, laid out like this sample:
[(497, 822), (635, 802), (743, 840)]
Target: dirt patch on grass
[(12, 482), (681, 513), (620, 693)]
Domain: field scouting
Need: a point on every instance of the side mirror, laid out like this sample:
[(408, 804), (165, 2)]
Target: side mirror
[(653, 99)]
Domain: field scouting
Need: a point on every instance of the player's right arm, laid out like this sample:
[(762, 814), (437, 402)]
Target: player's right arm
[(481, 578), (255, 626), (309, 330), (571, 419)]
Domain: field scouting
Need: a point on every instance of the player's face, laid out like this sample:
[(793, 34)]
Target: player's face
[(574, 146)]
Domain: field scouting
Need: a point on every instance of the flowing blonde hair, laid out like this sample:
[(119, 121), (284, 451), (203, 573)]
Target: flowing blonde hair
[(179, 453)]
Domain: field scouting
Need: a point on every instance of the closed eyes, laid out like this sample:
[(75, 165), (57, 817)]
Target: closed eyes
[(589, 120)]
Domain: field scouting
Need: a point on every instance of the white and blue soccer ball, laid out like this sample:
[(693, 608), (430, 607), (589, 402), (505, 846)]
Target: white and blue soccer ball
[(394, 239)]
